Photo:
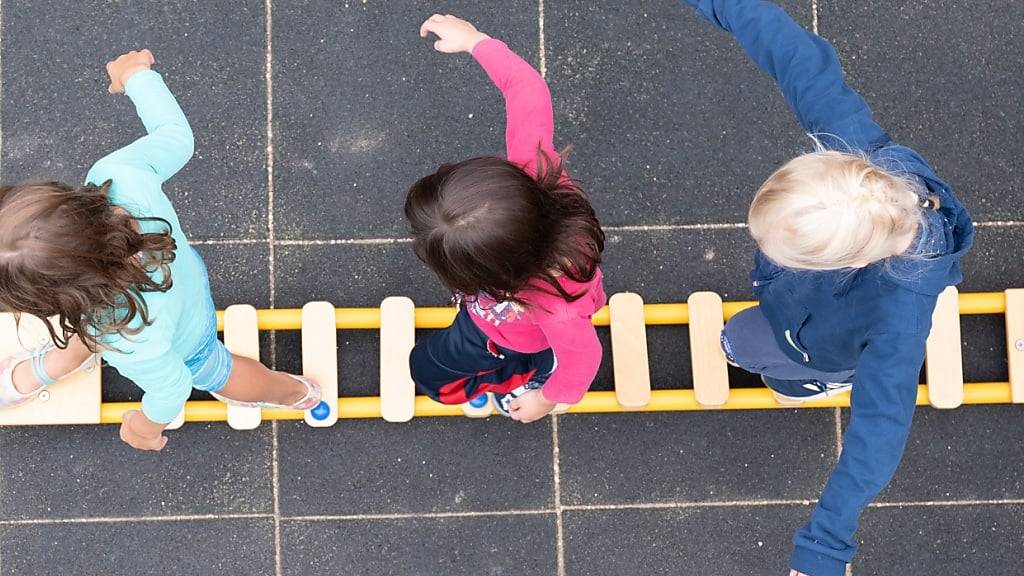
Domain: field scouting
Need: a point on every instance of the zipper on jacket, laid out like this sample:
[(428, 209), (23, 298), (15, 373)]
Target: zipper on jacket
[(789, 338)]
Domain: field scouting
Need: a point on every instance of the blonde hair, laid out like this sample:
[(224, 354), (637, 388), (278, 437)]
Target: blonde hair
[(831, 210)]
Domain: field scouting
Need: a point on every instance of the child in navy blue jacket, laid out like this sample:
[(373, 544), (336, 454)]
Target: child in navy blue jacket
[(856, 242)]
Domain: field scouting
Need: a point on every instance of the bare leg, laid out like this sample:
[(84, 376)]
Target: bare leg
[(251, 381), (59, 363)]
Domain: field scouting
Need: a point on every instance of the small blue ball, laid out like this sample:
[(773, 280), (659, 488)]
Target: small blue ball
[(479, 402), (321, 411)]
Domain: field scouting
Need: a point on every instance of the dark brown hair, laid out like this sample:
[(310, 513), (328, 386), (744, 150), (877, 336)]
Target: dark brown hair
[(484, 225), (70, 253)]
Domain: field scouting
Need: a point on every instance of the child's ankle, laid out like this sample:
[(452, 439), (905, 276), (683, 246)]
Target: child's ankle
[(24, 381)]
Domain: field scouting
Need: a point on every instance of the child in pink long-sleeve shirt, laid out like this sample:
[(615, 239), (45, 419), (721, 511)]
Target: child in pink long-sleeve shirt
[(519, 245)]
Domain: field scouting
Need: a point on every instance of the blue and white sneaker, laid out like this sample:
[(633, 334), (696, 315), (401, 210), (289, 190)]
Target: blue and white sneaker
[(503, 402), (808, 390)]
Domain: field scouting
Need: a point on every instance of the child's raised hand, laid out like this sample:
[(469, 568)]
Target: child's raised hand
[(122, 68), (530, 406), (456, 35)]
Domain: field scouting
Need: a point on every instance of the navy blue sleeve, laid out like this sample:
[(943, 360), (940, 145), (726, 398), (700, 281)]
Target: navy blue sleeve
[(882, 407), (806, 68)]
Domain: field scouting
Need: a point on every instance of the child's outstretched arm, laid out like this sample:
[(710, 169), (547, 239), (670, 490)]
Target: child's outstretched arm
[(806, 68), (529, 116), (168, 144)]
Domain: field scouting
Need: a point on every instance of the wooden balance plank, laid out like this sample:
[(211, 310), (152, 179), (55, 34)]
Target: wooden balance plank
[(72, 400), (944, 362), (710, 370), (1015, 342), (242, 338), (629, 350), (397, 337), (320, 358)]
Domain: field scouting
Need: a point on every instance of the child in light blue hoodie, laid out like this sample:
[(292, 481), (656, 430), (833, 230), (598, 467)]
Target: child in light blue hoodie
[(109, 259), (856, 242)]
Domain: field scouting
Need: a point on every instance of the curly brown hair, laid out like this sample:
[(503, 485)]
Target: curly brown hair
[(70, 253), (485, 225)]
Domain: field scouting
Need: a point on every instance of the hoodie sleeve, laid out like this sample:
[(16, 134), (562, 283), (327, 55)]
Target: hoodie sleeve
[(806, 68), (529, 115), (168, 144), (882, 406)]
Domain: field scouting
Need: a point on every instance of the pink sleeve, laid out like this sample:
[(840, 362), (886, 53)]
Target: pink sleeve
[(578, 353), (529, 116)]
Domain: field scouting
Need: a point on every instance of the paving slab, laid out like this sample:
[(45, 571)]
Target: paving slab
[(669, 121), (944, 78), (58, 118), (694, 456), (971, 453), (428, 465), (88, 472), (364, 107), (414, 547), (952, 541), (238, 547), (709, 541)]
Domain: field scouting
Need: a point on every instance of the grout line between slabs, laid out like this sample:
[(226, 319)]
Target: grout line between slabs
[(275, 479), (415, 516), (271, 283), (131, 519), (540, 33), (556, 465), (491, 513), (268, 8)]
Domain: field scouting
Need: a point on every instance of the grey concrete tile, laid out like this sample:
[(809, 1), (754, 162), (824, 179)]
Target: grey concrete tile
[(58, 118), (243, 547), (426, 465), (708, 541), (695, 456), (522, 545), (971, 453), (952, 541), (944, 78), (238, 273), (669, 120), (87, 472), (364, 107)]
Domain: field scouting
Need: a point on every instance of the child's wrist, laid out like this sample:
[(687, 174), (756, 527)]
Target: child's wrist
[(480, 37), (131, 72)]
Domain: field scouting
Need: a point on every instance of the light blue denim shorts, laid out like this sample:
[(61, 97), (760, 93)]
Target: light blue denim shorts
[(210, 363)]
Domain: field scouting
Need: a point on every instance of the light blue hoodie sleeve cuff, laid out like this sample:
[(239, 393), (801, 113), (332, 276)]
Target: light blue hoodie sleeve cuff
[(138, 80)]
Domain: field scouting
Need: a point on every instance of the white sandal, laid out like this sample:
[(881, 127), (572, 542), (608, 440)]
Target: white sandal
[(9, 394), (310, 400)]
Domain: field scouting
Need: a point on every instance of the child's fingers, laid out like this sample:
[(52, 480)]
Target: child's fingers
[(429, 25), (148, 56)]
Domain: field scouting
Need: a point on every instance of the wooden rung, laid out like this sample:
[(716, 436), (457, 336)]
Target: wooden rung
[(710, 370), (1015, 342), (320, 360), (397, 337), (72, 400), (944, 362), (629, 350), (242, 338)]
